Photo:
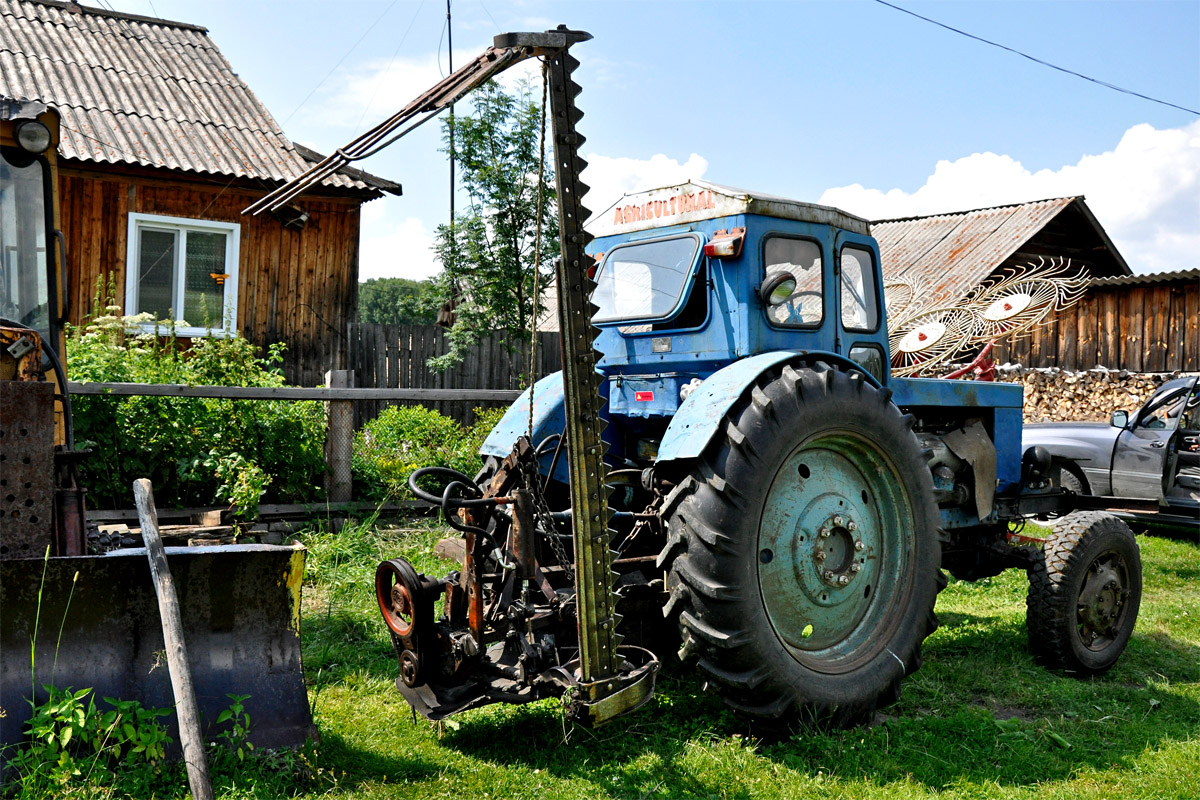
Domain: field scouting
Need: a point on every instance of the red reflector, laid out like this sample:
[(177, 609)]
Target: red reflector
[(643, 397), (721, 249)]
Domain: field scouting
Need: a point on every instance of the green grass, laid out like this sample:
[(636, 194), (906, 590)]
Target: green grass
[(979, 720)]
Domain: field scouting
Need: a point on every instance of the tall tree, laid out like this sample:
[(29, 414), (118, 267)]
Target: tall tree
[(488, 259), (398, 301)]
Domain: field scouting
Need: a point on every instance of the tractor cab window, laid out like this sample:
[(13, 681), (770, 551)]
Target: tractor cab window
[(24, 292), (800, 259), (860, 309), (644, 280)]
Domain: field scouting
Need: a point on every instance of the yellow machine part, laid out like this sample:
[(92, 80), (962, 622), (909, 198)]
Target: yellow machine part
[(16, 368), (24, 367)]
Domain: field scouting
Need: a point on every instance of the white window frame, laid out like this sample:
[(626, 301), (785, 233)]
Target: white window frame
[(183, 225)]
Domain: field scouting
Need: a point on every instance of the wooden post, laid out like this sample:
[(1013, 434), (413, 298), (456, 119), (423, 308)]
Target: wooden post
[(339, 439), (177, 660)]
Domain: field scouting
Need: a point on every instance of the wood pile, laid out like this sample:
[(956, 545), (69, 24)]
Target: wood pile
[(1058, 395)]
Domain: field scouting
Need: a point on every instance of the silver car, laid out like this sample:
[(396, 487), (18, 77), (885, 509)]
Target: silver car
[(1153, 454)]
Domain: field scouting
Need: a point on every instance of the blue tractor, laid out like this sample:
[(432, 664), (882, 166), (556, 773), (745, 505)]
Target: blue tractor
[(783, 501), (725, 468)]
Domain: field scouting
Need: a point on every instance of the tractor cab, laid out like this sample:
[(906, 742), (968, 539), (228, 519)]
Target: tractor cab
[(693, 278), (30, 272)]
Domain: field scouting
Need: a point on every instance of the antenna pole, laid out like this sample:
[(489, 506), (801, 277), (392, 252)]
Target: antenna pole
[(450, 57)]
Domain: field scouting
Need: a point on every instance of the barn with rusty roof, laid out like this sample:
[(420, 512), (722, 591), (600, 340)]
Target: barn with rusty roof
[(1142, 323), (162, 145), (951, 254)]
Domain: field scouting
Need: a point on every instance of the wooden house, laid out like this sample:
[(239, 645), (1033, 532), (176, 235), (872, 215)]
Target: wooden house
[(162, 147)]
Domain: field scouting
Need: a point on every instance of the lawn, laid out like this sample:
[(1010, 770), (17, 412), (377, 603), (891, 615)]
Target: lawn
[(979, 720)]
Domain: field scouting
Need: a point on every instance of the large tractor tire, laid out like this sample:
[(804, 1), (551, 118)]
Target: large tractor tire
[(804, 553), (1084, 594)]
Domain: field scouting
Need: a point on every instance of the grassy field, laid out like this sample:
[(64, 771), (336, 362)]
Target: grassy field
[(979, 720)]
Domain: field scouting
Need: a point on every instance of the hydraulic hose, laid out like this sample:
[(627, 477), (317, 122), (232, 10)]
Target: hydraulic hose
[(455, 477)]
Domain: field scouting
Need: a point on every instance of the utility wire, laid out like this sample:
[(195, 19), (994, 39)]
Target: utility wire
[(353, 47), (383, 75), (1035, 59)]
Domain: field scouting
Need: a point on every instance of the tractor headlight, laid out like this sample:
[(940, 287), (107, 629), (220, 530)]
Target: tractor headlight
[(33, 137)]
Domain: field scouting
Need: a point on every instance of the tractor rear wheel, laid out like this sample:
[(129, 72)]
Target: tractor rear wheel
[(804, 553)]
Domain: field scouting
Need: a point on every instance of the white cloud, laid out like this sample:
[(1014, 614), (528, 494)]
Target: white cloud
[(1145, 192), (610, 178), (367, 93), (395, 249)]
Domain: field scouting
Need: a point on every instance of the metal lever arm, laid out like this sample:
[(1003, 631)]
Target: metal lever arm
[(507, 49)]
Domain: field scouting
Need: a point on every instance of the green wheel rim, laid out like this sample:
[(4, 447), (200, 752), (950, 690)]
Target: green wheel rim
[(834, 551)]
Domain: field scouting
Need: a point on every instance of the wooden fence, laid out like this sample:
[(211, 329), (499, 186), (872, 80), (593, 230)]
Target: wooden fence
[(395, 356), (1142, 328)]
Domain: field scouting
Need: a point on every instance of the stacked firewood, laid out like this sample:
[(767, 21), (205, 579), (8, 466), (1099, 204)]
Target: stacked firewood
[(1057, 395)]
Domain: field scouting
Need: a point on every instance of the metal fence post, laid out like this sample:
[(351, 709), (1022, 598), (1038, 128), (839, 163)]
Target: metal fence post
[(339, 438)]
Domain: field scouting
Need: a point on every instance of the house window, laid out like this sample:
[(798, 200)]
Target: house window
[(183, 269)]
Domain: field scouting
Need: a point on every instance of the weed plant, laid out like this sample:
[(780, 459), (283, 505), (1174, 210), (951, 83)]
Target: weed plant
[(978, 720)]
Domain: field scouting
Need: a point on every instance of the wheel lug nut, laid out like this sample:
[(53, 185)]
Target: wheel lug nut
[(824, 533), (859, 546), (828, 576), (855, 567), (851, 526), (838, 520), (843, 580), (819, 555)]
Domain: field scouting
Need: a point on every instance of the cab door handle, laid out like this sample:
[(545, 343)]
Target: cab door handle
[(1158, 444)]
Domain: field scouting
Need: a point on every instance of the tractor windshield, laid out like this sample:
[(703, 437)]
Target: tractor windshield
[(644, 280), (24, 293)]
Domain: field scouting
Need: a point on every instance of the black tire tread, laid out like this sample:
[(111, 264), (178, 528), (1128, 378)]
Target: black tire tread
[(703, 505), (1051, 605)]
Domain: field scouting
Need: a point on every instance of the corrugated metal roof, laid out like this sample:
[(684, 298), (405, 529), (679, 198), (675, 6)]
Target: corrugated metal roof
[(953, 253), (151, 92), (1150, 277)]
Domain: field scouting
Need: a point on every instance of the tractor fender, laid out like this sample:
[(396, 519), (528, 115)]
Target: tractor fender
[(700, 415), (549, 417)]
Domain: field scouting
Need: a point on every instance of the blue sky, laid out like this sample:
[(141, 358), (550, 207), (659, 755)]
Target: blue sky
[(848, 103)]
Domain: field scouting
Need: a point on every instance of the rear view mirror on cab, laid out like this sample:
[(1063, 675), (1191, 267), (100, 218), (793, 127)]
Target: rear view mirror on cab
[(777, 289), (1120, 419)]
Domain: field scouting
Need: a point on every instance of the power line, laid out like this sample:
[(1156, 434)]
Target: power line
[(353, 47), (1035, 59), (388, 68)]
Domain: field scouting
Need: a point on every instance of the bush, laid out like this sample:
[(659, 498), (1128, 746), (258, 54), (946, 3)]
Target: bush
[(196, 450), (404, 439)]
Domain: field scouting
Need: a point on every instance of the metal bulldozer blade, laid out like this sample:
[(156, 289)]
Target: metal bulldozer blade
[(241, 617)]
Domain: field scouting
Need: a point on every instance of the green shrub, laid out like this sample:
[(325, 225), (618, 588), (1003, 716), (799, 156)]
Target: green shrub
[(404, 439), (69, 735), (195, 450)]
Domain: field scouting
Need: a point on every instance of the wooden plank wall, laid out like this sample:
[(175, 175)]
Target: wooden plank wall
[(295, 287), (394, 356), (1153, 327)]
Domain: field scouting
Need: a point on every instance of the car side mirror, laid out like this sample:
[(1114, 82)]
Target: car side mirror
[(1120, 419)]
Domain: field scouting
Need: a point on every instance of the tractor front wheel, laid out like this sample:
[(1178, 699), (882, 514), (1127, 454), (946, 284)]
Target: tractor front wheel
[(803, 551), (1084, 594)]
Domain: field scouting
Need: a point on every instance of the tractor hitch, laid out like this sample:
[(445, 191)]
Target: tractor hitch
[(504, 627)]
